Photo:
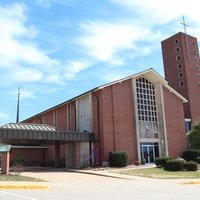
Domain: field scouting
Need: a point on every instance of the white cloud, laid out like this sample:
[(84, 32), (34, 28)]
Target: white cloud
[(74, 67), (156, 11), (104, 40), (48, 3), (21, 58), (112, 41), (66, 71), (25, 94), (25, 75)]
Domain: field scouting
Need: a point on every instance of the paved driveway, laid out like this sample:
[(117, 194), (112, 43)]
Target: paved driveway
[(75, 186)]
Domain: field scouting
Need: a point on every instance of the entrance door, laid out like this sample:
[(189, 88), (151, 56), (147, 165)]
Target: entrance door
[(149, 151)]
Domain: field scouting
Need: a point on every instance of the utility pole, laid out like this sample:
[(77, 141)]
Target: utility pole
[(17, 118)]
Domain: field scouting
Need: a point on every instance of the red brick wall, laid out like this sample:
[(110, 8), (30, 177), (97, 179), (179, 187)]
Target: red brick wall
[(62, 117), (28, 154), (5, 162), (50, 118), (118, 123), (29, 121), (49, 153), (190, 89), (175, 126), (38, 154), (106, 134)]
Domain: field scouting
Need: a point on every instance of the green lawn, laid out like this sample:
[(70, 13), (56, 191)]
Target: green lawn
[(161, 174), (19, 178)]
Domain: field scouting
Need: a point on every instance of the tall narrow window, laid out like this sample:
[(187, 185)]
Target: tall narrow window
[(147, 111), (146, 99)]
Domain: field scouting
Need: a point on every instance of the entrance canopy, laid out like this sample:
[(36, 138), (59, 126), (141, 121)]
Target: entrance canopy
[(40, 132)]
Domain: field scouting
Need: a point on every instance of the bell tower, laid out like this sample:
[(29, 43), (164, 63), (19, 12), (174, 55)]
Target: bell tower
[(182, 70)]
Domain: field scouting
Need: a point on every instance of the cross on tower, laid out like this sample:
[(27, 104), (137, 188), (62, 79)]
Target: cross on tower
[(184, 24), (186, 40)]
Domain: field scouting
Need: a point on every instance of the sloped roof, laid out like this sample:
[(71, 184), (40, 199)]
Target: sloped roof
[(154, 76), (42, 132), (151, 73), (27, 126)]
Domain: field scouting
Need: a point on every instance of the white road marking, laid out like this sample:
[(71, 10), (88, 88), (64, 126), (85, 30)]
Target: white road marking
[(16, 195)]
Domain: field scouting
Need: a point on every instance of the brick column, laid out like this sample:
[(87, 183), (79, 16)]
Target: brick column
[(5, 163), (57, 155), (77, 155)]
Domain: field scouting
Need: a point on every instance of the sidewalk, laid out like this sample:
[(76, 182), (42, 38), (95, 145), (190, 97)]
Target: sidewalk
[(60, 173), (63, 176)]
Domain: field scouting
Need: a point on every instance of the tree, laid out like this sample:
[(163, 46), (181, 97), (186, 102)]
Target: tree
[(194, 136)]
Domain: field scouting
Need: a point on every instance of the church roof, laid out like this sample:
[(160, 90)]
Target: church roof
[(151, 74)]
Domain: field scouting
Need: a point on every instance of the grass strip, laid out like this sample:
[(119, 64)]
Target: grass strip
[(159, 173), (11, 177)]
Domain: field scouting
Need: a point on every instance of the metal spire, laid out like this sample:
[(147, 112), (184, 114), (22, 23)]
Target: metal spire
[(17, 118)]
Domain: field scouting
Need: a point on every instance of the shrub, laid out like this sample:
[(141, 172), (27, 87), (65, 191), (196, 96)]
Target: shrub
[(174, 165), (191, 155), (198, 160), (194, 136), (18, 164), (118, 159), (160, 162), (18, 160), (190, 166)]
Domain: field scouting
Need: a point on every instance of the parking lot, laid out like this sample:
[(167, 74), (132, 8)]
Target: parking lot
[(102, 185)]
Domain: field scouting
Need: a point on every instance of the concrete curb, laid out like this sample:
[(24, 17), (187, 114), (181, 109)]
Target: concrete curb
[(31, 187), (105, 174), (191, 183)]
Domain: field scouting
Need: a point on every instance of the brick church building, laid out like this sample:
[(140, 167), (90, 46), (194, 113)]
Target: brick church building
[(142, 114)]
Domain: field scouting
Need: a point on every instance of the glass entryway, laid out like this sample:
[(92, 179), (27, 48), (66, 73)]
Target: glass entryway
[(149, 151)]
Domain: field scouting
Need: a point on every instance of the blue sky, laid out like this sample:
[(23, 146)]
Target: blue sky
[(57, 49)]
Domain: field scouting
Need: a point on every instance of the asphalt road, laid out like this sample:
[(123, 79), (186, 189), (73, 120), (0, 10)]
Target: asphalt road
[(79, 186)]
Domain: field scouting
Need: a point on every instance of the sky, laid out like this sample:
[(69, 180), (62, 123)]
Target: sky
[(55, 50)]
